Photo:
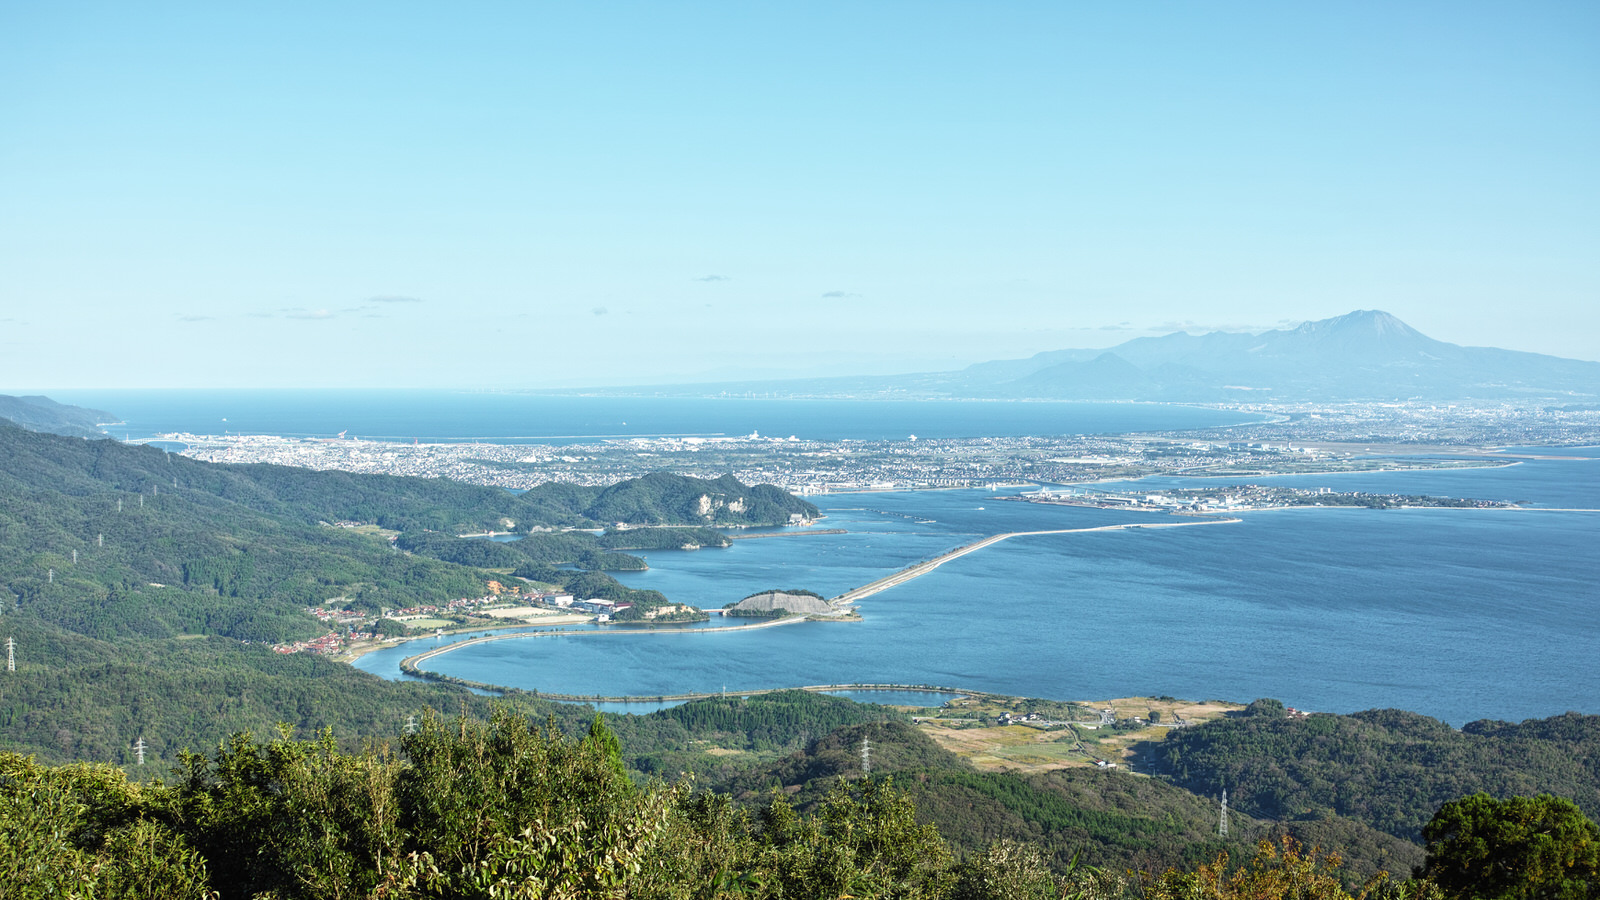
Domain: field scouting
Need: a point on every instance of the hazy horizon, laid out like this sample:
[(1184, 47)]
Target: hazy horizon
[(501, 197)]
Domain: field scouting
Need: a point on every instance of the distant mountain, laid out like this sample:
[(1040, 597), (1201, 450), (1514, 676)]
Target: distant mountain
[(1365, 355), (44, 414)]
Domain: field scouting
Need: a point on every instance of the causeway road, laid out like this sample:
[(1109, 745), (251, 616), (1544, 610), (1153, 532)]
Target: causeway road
[(926, 566)]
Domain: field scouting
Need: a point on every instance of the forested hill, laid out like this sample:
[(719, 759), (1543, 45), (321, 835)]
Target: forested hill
[(1388, 768), (1111, 818), (43, 414), (49, 462), (108, 539)]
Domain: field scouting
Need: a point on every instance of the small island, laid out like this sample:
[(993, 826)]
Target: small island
[(778, 604)]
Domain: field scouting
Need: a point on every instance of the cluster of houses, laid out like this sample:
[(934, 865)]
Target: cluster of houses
[(332, 642)]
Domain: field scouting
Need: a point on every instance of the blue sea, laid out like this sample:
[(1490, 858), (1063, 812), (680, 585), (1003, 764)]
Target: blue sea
[(536, 418), (1458, 614)]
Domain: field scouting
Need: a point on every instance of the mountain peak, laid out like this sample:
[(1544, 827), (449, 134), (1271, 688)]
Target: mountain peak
[(1365, 354), (1364, 322)]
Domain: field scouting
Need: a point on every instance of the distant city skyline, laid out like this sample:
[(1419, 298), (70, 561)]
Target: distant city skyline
[(513, 196)]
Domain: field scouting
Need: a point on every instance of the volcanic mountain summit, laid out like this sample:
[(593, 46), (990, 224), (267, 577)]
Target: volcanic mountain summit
[(1364, 355)]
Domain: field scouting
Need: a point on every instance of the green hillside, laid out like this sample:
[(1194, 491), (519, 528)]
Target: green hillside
[(1388, 768)]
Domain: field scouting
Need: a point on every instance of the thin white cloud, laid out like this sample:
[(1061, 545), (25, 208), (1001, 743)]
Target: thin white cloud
[(838, 295), (714, 278)]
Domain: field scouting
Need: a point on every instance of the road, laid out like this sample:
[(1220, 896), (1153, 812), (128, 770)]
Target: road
[(923, 568)]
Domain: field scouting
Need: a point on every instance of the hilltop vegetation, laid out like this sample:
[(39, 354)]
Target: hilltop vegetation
[(1109, 819), (43, 414), (506, 809), (1388, 768), (108, 539)]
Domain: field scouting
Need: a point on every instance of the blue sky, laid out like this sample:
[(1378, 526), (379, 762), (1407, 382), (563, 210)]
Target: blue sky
[(536, 195)]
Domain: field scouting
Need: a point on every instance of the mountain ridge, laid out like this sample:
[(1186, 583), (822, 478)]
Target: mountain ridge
[(1366, 354), (1362, 355), (38, 413)]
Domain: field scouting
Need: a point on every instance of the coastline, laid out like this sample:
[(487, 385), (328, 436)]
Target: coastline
[(352, 654), (411, 665)]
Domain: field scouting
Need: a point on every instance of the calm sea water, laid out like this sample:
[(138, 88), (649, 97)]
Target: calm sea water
[(511, 418), (1460, 614)]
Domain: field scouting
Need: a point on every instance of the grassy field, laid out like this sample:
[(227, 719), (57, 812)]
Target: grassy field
[(969, 727), (429, 623)]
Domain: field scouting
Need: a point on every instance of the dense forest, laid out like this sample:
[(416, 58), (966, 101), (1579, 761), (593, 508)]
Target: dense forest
[(1110, 819), (1388, 768), (108, 539), (509, 809)]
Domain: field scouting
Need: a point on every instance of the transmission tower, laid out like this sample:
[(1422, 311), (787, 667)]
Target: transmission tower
[(52, 576), (11, 654), (866, 757), (74, 556), (411, 725), (100, 540), (1222, 823), (138, 748)]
